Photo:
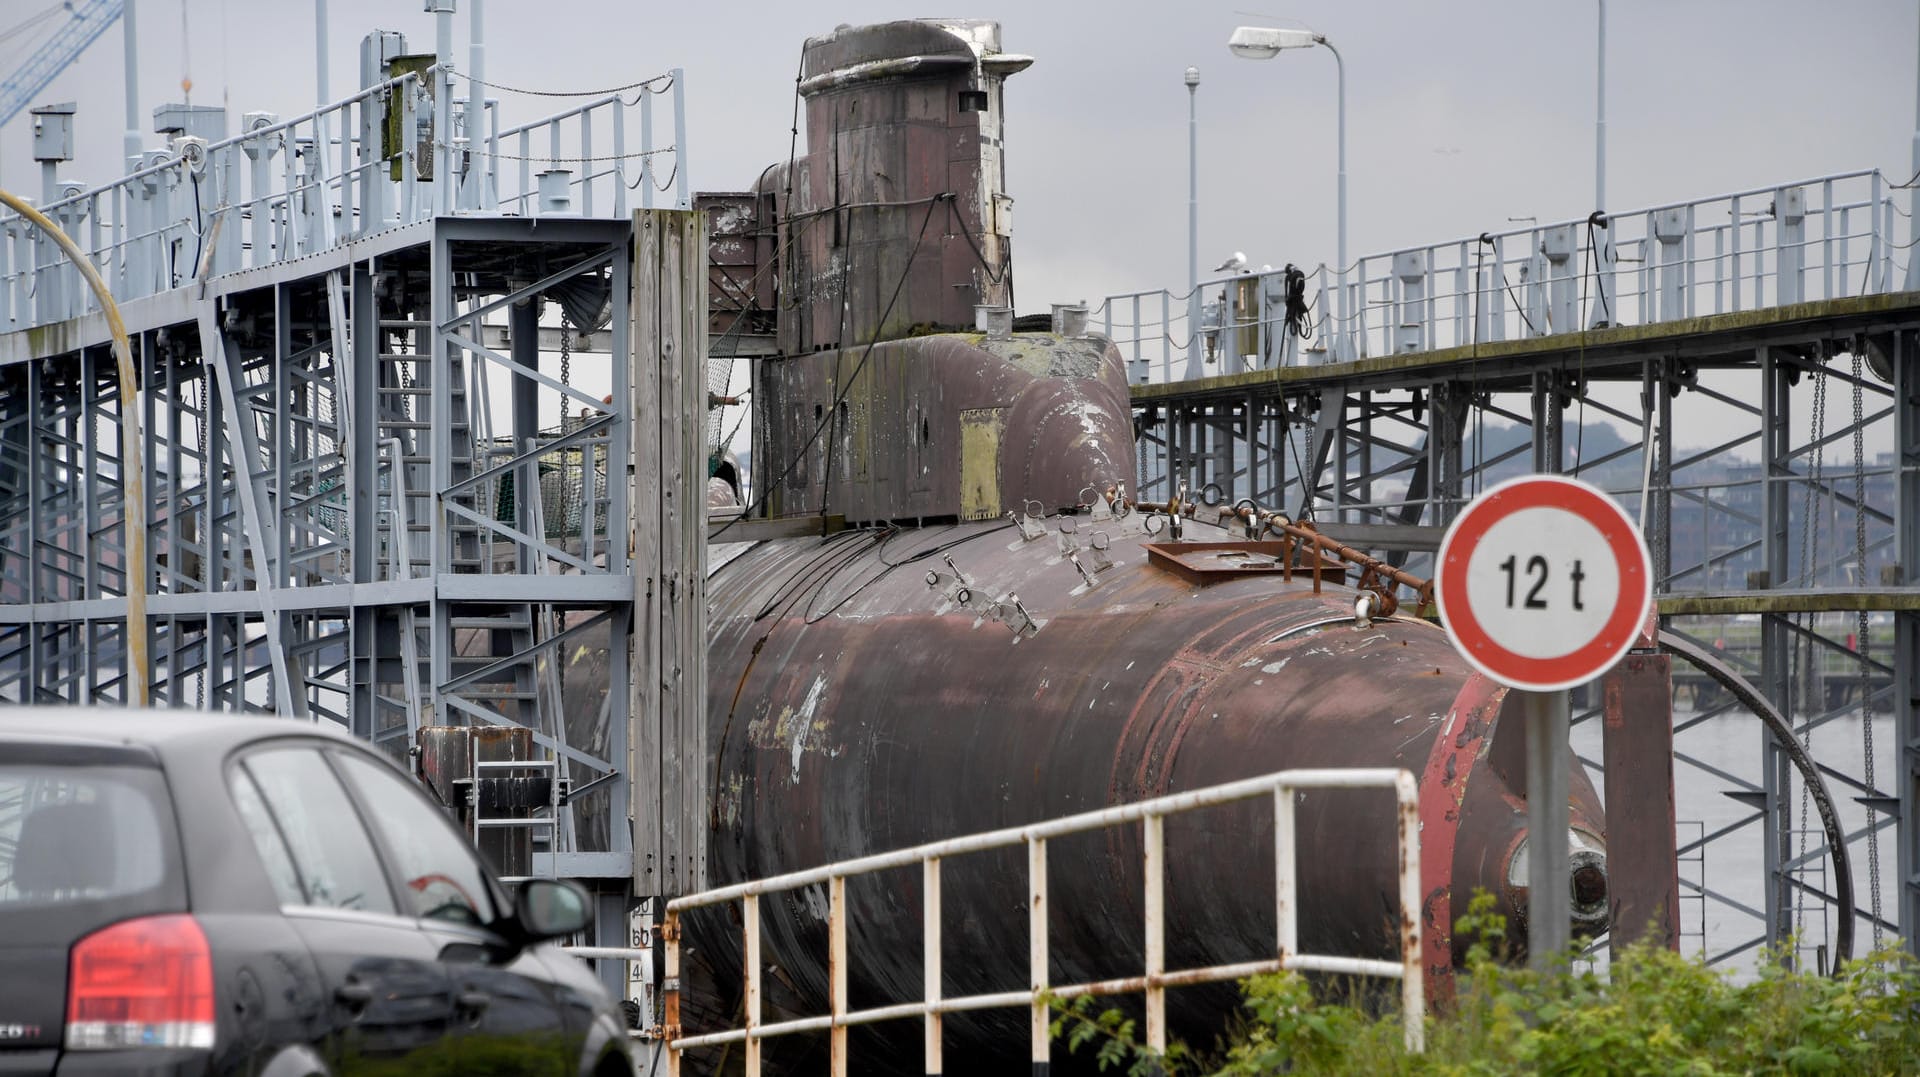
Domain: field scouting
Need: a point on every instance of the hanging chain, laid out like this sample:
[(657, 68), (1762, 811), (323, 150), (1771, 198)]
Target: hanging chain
[(1801, 654), (1862, 628), (206, 533), (570, 511)]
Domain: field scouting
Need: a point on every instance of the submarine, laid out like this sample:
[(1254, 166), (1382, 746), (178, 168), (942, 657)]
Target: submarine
[(1005, 632)]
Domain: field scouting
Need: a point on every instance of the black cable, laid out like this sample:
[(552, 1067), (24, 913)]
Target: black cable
[(1518, 307), (199, 225), (1580, 434), (1006, 264), (1299, 321), (801, 454), (880, 554), (833, 413), (786, 198)]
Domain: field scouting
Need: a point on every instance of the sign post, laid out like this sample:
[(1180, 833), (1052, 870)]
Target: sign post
[(1543, 583)]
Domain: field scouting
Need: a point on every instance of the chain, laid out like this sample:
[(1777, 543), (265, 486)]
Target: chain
[(1863, 627), (570, 515), (206, 533), (1801, 653)]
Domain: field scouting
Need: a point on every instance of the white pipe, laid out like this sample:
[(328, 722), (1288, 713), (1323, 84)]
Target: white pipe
[(1913, 260), (1340, 335), (1193, 214), (476, 99), (321, 96), (131, 145), (1600, 119)]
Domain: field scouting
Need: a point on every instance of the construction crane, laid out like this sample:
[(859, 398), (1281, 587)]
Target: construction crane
[(88, 21)]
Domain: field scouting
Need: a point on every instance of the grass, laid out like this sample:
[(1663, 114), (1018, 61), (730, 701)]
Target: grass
[(1655, 1012)]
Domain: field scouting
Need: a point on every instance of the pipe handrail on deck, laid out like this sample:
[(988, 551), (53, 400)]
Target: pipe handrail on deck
[(1039, 995)]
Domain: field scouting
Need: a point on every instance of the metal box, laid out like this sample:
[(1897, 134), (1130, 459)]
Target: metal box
[(200, 121), (53, 132)]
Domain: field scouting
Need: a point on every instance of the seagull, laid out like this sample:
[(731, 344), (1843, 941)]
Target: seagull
[(1234, 264)]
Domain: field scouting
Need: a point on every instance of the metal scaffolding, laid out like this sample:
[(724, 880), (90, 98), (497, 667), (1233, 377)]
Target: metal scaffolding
[(1788, 546), (387, 394)]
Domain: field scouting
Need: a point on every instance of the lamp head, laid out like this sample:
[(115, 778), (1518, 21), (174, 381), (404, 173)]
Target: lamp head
[(1193, 76), (1264, 43)]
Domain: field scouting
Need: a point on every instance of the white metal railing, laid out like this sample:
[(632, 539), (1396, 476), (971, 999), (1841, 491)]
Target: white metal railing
[(285, 189), (1152, 983), (1830, 237)]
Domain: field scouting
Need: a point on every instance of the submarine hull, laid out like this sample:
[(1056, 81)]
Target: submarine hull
[(855, 706)]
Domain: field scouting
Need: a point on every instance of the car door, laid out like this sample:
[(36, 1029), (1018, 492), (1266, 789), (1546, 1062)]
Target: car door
[(508, 1015), (390, 1001)]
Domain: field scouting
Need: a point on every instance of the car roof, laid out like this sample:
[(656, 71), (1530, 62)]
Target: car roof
[(160, 730)]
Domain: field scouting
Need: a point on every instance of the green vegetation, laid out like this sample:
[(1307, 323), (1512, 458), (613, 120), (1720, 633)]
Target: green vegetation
[(1655, 1013)]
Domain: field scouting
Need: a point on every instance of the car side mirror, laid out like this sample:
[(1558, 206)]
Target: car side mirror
[(548, 908)]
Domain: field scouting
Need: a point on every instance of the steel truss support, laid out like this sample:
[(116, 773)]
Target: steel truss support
[(1905, 702), (1744, 503), (337, 532)]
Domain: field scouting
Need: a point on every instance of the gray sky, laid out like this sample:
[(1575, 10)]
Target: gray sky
[(1460, 115)]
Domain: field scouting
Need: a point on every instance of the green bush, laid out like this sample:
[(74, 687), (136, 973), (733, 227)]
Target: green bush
[(1654, 1013)]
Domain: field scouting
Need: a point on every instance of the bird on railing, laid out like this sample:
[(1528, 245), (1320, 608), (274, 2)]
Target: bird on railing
[(1234, 264)]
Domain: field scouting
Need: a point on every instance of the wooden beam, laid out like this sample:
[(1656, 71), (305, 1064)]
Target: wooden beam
[(1813, 600), (669, 656), (783, 527)]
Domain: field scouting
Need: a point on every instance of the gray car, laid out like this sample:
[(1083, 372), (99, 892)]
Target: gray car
[(187, 894)]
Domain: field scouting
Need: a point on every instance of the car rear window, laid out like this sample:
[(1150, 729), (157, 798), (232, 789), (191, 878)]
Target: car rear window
[(81, 845)]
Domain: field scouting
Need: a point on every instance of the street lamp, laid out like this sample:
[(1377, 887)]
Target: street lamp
[(1264, 43), (1193, 216)]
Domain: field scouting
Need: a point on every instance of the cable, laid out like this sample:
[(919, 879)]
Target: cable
[(801, 453), (199, 233), (498, 155), (643, 84), (30, 22), (1298, 320), (1006, 264)]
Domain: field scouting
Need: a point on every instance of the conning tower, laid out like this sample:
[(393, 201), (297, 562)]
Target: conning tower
[(899, 391)]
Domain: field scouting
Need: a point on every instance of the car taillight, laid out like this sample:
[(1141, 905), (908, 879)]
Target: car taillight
[(141, 983)]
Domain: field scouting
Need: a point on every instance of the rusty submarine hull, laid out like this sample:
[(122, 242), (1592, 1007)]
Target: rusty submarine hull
[(1003, 634)]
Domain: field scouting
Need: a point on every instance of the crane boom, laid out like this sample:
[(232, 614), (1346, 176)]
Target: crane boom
[(89, 21)]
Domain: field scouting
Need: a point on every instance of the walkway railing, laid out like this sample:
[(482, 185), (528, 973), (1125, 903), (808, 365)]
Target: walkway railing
[(1830, 237), (1155, 978), (286, 189)]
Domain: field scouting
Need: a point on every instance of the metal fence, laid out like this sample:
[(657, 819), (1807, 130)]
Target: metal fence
[(1037, 997), (394, 154), (1830, 237)]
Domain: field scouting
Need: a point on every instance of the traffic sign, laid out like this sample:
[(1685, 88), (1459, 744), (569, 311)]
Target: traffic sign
[(1544, 582)]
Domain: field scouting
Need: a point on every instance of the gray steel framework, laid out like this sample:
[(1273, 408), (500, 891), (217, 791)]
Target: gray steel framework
[(362, 505), (1790, 543)]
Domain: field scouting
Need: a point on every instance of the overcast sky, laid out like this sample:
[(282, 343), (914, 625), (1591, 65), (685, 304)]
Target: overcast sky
[(1460, 115)]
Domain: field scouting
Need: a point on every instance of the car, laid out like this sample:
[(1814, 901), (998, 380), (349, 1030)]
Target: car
[(188, 894)]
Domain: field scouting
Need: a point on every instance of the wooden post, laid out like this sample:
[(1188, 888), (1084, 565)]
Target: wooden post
[(1643, 881), (669, 477)]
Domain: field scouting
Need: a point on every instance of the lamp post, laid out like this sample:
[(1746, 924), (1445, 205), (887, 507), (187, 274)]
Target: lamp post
[(1603, 239), (1600, 119), (1264, 43), (1193, 216), (1913, 264)]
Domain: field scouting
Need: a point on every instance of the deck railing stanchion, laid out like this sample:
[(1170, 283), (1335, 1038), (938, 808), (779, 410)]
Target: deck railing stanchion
[(1037, 908), (1153, 842)]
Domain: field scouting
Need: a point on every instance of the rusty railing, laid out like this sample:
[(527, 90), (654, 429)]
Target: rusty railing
[(1155, 978)]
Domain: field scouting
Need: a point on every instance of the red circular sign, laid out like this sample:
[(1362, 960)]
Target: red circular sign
[(1543, 582)]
